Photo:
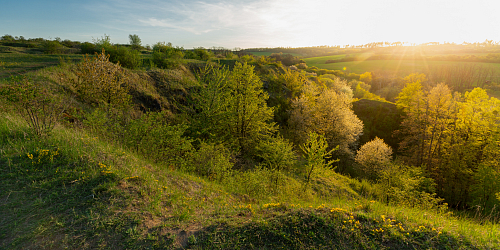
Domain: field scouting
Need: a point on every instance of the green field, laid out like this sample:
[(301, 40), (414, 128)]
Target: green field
[(397, 67), (270, 53), (17, 63)]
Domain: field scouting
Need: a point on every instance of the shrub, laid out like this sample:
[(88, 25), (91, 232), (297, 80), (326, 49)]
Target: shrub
[(302, 66), (124, 56), (87, 48), (101, 81), (167, 56), (486, 185), (51, 47), (211, 160), (277, 155), (37, 107), (315, 151), (403, 185), (154, 138), (373, 156)]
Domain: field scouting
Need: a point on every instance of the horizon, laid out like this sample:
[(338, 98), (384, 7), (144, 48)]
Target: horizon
[(254, 24)]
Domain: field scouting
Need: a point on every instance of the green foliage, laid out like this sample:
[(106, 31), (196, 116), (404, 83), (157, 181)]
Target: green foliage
[(285, 59), (35, 104), (486, 186), (326, 112), (135, 41), (276, 153), (211, 160), (337, 84), (153, 137), (51, 47), (380, 119), (450, 135), (232, 107), (102, 43), (250, 116), (373, 156), (125, 57), (317, 155), (403, 185), (7, 38), (167, 56), (366, 78), (198, 54), (212, 101), (87, 48), (101, 81), (283, 88), (361, 93)]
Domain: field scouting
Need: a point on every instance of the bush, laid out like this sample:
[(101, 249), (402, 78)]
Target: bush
[(154, 138), (166, 56), (37, 107), (87, 48), (317, 155), (126, 57), (277, 155), (51, 47), (373, 156), (101, 82), (212, 161), (403, 185)]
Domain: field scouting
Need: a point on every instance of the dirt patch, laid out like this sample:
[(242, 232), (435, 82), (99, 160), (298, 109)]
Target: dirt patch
[(182, 236)]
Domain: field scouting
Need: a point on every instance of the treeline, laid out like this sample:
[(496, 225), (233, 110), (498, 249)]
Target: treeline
[(488, 46)]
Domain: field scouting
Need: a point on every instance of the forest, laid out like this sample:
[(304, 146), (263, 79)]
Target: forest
[(105, 145)]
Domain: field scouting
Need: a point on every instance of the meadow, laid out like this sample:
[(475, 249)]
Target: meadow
[(262, 53), (20, 63), (399, 68)]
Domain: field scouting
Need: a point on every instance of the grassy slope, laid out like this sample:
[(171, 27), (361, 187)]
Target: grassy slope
[(94, 194)]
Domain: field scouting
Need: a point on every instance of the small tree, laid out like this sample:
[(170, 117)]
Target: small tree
[(101, 81), (135, 41), (315, 150), (373, 157)]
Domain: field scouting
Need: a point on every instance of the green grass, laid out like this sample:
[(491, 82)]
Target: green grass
[(270, 53), (93, 194), (312, 61), (399, 68), (12, 64)]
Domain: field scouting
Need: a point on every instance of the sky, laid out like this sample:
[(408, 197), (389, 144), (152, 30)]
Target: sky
[(254, 23)]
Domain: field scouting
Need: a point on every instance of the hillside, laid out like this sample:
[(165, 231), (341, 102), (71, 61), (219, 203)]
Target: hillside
[(74, 190), (178, 151)]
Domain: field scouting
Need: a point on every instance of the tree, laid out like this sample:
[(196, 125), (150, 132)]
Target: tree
[(250, 116), (326, 112), (373, 156), (101, 81), (135, 41), (366, 78), (231, 107), (452, 137), (317, 154)]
